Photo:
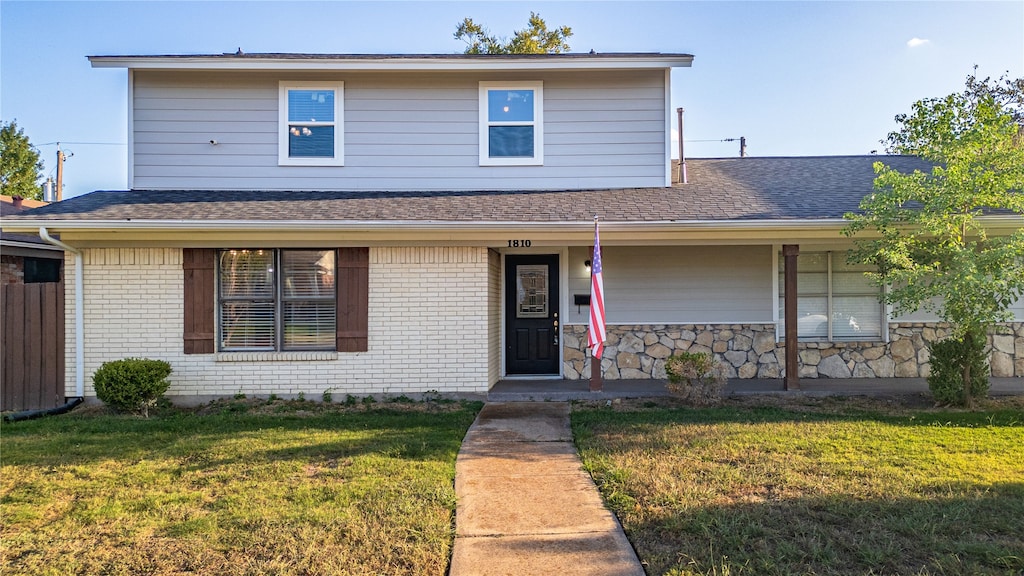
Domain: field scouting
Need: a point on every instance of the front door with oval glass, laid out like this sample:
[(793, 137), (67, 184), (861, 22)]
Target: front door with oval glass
[(531, 314)]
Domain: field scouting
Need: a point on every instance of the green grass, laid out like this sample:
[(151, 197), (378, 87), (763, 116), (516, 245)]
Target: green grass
[(243, 487), (830, 488)]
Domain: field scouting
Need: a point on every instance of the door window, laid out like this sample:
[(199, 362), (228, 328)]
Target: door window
[(532, 289)]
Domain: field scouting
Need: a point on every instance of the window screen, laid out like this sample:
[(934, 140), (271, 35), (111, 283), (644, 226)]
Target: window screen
[(510, 123), (311, 124)]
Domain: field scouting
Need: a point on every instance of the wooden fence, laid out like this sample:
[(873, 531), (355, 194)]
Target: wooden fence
[(32, 346)]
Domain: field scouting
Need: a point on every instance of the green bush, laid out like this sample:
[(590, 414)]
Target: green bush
[(694, 377), (132, 384), (948, 358)]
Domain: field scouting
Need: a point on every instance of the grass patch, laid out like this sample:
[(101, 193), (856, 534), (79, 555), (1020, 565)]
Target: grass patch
[(237, 487), (812, 487)]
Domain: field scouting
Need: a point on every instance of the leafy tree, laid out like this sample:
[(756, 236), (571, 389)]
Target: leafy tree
[(20, 166), (935, 242), (536, 39)]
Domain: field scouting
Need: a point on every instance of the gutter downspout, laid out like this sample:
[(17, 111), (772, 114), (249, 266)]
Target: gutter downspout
[(79, 310)]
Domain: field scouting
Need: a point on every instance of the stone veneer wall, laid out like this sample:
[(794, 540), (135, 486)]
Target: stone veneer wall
[(750, 351)]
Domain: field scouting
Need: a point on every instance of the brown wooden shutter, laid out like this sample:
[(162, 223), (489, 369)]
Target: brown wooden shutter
[(353, 278), (200, 265)]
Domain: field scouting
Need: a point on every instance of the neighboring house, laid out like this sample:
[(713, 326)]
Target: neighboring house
[(31, 316), (25, 258), (413, 223)]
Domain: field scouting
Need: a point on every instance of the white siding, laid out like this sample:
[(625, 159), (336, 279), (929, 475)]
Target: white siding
[(678, 284), (1017, 309), (402, 132), (918, 316)]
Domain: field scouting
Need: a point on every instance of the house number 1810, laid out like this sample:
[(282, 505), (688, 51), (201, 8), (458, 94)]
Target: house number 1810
[(518, 243)]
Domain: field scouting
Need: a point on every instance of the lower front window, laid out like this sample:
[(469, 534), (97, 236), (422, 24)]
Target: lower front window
[(270, 299)]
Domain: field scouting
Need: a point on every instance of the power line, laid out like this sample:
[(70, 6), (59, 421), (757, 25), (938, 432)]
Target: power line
[(742, 140), (84, 143)]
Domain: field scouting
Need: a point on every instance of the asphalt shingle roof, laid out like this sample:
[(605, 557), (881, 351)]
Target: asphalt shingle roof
[(737, 189), (7, 208)]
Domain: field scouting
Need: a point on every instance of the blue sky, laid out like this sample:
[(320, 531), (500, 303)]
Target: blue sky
[(794, 78)]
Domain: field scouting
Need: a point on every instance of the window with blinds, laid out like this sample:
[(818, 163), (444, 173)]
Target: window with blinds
[(835, 301), (310, 124), (277, 300)]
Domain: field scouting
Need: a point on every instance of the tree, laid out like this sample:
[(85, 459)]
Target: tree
[(20, 166), (536, 39), (935, 245)]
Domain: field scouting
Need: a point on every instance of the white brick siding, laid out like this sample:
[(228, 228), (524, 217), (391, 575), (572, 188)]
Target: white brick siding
[(429, 327), (494, 317)]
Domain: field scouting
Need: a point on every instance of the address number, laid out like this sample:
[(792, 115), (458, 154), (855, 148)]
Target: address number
[(518, 243)]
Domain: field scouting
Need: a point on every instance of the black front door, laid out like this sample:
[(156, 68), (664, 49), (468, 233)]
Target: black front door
[(531, 314)]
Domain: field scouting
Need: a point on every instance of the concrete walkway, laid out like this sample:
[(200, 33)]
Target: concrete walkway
[(525, 505)]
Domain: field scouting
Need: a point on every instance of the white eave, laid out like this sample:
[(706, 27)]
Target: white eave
[(411, 62), (419, 225), (95, 233), (996, 222)]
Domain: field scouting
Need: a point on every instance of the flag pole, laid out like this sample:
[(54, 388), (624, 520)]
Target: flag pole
[(596, 328)]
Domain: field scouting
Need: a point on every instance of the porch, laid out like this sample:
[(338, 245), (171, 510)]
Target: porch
[(525, 390)]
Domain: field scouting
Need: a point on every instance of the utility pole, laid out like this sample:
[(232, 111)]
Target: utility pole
[(743, 144), (60, 173)]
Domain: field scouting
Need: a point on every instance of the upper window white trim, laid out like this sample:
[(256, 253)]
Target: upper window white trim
[(536, 122), (284, 158)]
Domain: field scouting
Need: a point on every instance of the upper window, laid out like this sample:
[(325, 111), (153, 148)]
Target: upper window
[(277, 299), (511, 123), (310, 124), (835, 301)]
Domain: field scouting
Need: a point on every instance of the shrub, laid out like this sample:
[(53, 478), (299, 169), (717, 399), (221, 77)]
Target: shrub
[(132, 384), (948, 358), (695, 378)]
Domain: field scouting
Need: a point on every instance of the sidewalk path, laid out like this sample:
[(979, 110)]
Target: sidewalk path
[(525, 505)]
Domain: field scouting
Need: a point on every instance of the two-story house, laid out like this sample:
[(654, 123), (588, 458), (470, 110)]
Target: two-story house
[(411, 223)]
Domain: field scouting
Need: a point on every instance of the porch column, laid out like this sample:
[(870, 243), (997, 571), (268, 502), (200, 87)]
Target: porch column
[(790, 252), (596, 383)]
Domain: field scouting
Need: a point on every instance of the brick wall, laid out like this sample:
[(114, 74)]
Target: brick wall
[(428, 327), (12, 270), (494, 317)]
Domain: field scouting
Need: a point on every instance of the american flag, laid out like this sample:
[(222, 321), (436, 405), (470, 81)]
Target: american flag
[(595, 330)]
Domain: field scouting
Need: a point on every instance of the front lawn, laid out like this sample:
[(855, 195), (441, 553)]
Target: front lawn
[(242, 487), (812, 487)]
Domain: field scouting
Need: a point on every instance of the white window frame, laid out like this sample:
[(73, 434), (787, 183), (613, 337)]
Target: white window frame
[(278, 299), (538, 124), (829, 297), (283, 159)]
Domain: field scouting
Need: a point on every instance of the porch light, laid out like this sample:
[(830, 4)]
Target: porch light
[(587, 264)]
